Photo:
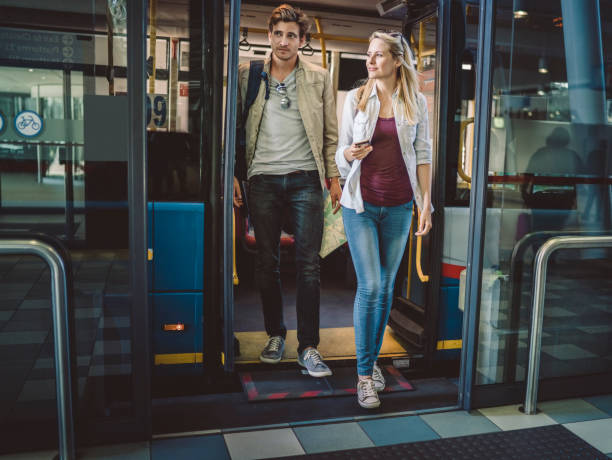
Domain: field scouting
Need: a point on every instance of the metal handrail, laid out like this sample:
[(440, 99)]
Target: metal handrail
[(537, 312), (322, 42), (530, 240), (59, 302)]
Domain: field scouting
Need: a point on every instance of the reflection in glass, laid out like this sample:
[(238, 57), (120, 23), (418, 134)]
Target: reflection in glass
[(549, 174), (68, 181)]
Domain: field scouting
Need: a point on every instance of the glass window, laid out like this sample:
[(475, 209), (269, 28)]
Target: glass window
[(549, 174), (63, 172)]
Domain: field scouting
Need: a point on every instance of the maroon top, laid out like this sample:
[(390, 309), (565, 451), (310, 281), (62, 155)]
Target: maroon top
[(384, 178)]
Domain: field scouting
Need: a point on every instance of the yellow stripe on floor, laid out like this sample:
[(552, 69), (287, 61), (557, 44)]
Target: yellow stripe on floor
[(336, 343), (449, 344), (178, 358)]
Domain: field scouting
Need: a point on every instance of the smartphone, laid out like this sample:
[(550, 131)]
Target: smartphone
[(362, 144)]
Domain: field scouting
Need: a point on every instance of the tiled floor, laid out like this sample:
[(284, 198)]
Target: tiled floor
[(589, 418), (102, 328)]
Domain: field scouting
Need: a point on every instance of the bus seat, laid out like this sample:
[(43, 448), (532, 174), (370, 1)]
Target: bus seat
[(246, 232)]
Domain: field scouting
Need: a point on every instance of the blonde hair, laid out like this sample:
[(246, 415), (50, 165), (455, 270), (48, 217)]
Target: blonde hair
[(408, 81)]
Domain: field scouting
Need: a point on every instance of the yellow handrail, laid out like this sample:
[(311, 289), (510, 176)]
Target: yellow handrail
[(409, 277), (421, 45), (236, 281), (152, 42), (422, 277), (322, 41), (460, 170)]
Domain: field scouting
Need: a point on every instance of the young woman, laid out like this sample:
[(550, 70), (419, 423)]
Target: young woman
[(384, 153)]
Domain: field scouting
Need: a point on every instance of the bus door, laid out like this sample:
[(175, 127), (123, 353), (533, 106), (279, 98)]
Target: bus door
[(183, 133), (427, 310), (408, 317)]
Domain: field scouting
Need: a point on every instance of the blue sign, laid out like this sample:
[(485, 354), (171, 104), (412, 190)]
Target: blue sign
[(2, 123), (28, 123)]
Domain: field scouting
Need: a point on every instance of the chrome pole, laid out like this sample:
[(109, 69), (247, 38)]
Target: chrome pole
[(59, 302), (537, 310)]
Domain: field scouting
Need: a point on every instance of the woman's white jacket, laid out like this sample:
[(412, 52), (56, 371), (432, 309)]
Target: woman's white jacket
[(357, 126)]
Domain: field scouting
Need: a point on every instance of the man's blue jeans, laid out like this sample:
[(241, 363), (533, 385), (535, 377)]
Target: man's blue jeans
[(377, 238), (270, 196)]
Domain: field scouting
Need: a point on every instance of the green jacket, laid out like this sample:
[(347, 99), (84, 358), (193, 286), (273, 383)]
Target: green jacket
[(317, 106)]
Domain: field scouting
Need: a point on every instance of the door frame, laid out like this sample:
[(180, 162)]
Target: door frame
[(137, 206), (478, 204)]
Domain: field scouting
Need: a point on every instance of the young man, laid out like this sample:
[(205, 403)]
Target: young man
[(291, 136)]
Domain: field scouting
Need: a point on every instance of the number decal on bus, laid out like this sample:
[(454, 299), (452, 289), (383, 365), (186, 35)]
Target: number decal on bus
[(157, 111)]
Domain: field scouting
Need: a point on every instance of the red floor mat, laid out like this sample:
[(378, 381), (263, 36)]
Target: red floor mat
[(295, 384)]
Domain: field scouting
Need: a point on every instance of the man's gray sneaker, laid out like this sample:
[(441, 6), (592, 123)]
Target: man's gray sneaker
[(273, 351), (312, 361), (367, 397), (378, 378)]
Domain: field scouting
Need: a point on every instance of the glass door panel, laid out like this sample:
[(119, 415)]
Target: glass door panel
[(549, 174), (64, 172), (175, 194)]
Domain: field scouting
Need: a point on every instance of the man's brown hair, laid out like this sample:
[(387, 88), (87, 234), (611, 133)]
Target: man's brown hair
[(287, 13)]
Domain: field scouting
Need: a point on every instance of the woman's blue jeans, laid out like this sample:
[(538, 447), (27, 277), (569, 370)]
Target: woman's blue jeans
[(377, 238)]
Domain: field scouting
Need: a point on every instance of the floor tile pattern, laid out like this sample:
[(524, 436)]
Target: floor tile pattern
[(586, 418), (102, 330)]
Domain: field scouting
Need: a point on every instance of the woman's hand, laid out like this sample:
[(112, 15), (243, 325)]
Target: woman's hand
[(424, 178), (424, 222), (357, 151)]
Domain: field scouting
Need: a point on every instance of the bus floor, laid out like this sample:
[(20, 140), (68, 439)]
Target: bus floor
[(337, 338), (232, 410)]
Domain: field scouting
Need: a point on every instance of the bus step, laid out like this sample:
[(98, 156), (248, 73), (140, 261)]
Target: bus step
[(406, 328), (409, 309)]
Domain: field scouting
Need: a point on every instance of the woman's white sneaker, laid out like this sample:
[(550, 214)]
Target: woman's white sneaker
[(367, 397), (378, 378)]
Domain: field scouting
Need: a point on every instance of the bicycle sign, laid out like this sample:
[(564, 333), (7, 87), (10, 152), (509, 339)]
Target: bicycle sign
[(28, 123)]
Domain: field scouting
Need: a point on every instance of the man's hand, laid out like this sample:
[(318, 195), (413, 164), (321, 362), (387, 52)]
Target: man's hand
[(335, 193), (237, 193)]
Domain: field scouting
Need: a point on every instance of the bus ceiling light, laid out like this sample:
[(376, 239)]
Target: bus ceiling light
[(542, 65), (520, 14), (466, 66), (519, 9)]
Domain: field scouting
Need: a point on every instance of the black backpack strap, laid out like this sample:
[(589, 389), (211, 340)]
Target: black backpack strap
[(255, 76), (256, 73)]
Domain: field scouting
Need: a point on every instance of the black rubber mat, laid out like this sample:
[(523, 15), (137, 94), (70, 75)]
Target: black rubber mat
[(296, 384), (548, 442)]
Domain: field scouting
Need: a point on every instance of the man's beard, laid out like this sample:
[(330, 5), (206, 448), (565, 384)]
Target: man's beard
[(283, 58)]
